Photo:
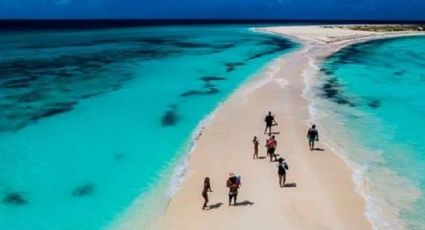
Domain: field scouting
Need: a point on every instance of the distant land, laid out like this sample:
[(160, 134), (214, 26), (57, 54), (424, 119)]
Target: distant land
[(29, 24)]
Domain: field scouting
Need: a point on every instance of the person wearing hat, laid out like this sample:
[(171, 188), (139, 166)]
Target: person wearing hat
[(233, 184)]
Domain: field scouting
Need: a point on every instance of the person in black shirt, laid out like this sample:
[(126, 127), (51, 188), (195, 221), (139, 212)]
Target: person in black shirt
[(312, 135), (270, 121), (281, 171)]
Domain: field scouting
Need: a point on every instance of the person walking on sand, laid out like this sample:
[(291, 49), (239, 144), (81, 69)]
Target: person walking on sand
[(233, 183), (281, 171), (271, 146), (207, 188), (267, 141), (255, 142), (270, 121), (312, 135)]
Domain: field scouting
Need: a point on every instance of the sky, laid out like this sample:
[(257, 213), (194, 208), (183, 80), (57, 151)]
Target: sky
[(233, 9)]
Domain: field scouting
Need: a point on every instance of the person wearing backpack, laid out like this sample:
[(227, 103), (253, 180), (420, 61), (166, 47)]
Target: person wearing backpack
[(233, 183), (281, 171), (271, 146)]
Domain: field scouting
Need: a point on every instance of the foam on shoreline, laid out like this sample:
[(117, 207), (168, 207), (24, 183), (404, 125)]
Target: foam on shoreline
[(381, 214), (160, 194), (250, 86), (276, 83), (152, 204)]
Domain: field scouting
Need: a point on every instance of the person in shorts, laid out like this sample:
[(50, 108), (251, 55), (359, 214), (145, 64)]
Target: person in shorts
[(312, 136)]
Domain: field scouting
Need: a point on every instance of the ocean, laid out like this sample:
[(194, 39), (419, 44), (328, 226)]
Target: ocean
[(94, 120), (370, 106)]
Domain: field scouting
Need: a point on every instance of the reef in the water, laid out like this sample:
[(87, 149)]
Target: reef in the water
[(277, 45), (14, 198), (332, 90), (399, 72), (209, 91), (212, 78), (374, 103), (208, 88), (83, 190), (170, 117), (231, 66), (54, 110)]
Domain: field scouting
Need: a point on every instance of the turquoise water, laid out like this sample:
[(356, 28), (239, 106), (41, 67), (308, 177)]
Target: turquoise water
[(90, 119), (377, 91)]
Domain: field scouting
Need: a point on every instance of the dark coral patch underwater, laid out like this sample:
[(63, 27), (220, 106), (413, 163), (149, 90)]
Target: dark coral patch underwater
[(83, 190), (209, 91), (170, 117), (374, 103), (231, 66), (14, 198), (212, 78), (332, 90), (276, 45), (208, 88)]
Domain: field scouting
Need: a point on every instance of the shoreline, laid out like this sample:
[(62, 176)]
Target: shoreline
[(358, 177), (376, 211), (180, 210), (175, 218), (175, 176)]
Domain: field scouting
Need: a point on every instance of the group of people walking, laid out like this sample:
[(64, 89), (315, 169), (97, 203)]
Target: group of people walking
[(234, 182), (271, 145)]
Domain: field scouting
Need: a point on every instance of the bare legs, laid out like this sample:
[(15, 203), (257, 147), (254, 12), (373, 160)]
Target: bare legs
[(205, 196), (232, 197), (282, 180), (272, 154), (269, 127), (311, 144), (255, 153)]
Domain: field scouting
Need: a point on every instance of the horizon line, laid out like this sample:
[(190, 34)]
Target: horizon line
[(101, 23), (211, 19)]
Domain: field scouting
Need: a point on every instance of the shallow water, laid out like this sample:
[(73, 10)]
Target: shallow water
[(373, 106), (90, 119)]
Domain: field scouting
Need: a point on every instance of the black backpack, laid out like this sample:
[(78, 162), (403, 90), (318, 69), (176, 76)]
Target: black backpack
[(282, 168)]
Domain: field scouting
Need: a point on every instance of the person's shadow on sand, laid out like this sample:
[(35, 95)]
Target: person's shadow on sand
[(244, 203), (215, 206), (318, 149), (290, 185)]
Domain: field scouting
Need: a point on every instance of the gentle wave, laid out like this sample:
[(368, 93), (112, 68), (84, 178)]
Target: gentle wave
[(335, 136)]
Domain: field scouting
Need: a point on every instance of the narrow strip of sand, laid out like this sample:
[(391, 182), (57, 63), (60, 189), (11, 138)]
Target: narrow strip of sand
[(320, 193)]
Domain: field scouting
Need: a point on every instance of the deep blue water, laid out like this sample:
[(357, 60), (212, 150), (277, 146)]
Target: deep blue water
[(377, 92), (91, 120)]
